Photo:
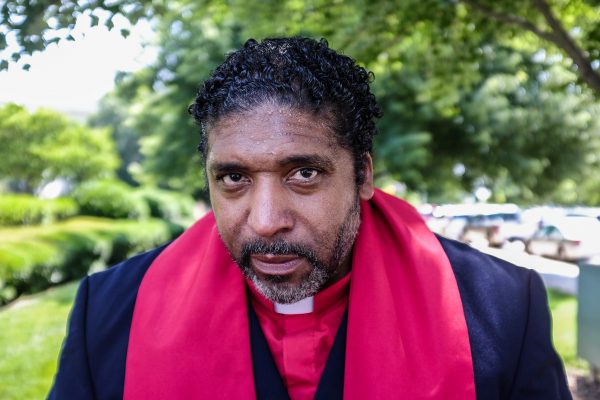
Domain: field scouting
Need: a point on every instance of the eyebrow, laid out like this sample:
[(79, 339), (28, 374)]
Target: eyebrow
[(225, 167), (308, 159), (315, 160)]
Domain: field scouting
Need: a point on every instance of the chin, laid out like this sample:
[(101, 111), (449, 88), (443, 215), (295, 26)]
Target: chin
[(279, 290)]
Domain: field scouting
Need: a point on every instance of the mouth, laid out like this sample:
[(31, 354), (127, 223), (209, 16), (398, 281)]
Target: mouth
[(275, 264)]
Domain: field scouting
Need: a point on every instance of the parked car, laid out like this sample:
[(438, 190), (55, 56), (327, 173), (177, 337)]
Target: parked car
[(569, 238), (499, 225), (449, 220), (593, 212)]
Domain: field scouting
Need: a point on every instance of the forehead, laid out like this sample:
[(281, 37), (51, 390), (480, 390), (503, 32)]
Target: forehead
[(269, 133)]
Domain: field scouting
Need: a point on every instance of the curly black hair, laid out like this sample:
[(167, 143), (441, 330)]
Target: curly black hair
[(298, 72)]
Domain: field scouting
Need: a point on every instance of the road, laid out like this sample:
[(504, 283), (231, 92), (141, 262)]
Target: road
[(557, 275)]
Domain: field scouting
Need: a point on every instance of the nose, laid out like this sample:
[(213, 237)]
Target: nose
[(269, 212)]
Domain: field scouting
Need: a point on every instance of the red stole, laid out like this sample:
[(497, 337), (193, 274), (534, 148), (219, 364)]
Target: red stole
[(407, 335)]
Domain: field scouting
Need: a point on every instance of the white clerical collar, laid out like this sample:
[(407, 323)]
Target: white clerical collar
[(304, 306)]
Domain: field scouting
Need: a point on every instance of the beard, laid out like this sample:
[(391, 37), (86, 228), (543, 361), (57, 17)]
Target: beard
[(325, 261)]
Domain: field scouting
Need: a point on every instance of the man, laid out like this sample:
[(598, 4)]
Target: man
[(305, 281)]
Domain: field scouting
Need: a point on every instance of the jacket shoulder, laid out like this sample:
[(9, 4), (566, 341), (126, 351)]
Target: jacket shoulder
[(93, 356), (124, 277), (112, 293), (482, 275), (111, 300), (508, 320)]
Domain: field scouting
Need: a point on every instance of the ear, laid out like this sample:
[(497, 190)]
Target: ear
[(366, 189)]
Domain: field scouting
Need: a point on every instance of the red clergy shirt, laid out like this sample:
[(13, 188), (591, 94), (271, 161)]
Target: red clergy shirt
[(300, 343)]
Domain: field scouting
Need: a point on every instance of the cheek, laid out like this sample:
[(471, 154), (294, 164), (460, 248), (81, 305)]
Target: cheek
[(325, 215), (229, 224)]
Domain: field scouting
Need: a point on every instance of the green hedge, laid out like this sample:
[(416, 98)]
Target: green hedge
[(24, 209), (111, 199), (34, 258), (171, 206)]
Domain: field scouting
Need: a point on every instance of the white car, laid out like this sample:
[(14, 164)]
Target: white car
[(568, 238)]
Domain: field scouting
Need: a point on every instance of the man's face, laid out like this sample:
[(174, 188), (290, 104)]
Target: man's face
[(285, 199)]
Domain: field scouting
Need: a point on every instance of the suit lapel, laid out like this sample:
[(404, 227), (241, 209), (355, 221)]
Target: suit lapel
[(267, 381), (331, 385)]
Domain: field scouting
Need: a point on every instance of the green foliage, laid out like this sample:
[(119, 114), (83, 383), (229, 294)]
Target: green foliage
[(506, 113), (45, 145), (475, 93), (36, 25), (519, 130), (365, 29), (23, 209), (113, 113), (531, 134), (110, 198), (33, 258), (171, 206), (155, 101)]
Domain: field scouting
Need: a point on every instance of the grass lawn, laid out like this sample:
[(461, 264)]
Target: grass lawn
[(564, 328), (31, 333), (33, 329)]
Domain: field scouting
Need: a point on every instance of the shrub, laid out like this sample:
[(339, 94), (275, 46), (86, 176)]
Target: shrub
[(171, 206), (23, 209), (60, 208), (111, 199), (33, 258), (45, 145)]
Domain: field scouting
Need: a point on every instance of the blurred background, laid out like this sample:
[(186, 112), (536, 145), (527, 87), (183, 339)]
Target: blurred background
[(491, 129)]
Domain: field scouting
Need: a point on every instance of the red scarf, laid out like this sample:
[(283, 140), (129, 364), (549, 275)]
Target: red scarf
[(407, 335)]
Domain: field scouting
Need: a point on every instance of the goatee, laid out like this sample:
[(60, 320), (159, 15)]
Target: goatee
[(278, 288)]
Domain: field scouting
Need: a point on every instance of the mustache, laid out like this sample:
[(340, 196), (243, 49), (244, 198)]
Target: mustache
[(277, 247)]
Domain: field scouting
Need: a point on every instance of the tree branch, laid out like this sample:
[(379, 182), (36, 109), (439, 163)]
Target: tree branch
[(557, 36), (509, 19), (565, 42)]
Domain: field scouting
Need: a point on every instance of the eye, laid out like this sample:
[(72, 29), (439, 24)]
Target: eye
[(232, 180), (304, 174)]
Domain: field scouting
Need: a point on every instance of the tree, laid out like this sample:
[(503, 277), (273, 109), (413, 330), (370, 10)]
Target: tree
[(538, 17), (115, 113), (155, 99), (31, 26), (520, 130), (361, 27), (469, 100), (46, 145)]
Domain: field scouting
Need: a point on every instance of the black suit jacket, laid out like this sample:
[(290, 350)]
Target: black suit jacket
[(505, 308)]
